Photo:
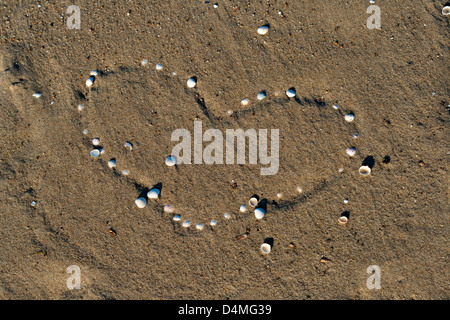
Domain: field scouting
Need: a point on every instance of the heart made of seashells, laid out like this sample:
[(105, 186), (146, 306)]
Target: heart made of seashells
[(158, 104)]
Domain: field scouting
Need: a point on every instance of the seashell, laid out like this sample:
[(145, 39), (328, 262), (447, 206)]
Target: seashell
[(291, 93), (144, 62), (159, 66), (213, 223), (355, 136), (349, 117), (299, 190), (85, 131), (345, 200), (141, 202), (95, 153), (335, 106), (186, 224), (244, 102), (125, 172), (351, 151), (200, 226), (171, 161), (446, 10), (169, 208), (37, 94), (90, 81), (153, 193), (243, 208), (128, 145), (112, 163), (265, 248), (80, 107), (227, 216), (364, 170), (259, 213), (96, 141), (343, 220), (261, 95), (177, 217), (33, 203), (263, 29), (94, 73), (192, 82), (279, 195), (253, 202)]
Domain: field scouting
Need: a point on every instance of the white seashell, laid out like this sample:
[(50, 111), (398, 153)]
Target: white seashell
[(244, 102), (265, 248), (171, 161), (299, 190), (364, 170), (227, 216), (349, 117), (341, 170), (243, 208), (37, 95), (279, 195), (355, 136), (125, 172), (343, 220), (85, 131), (177, 218), (95, 153), (446, 10), (144, 62), (263, 29), (33, 203), (80, 107), (253, 202), (351, 151), (291, 93), (153, 194), (192, 82), (213, 223), (141, 202), (96, 141), (335, 106), (90, 81), (159, 67), (230, 112), (112, 163), (128, 145), (261, 95), (259, 213), (345, 201), (186, 224), (169, 208), (200, 226), (94, 73)]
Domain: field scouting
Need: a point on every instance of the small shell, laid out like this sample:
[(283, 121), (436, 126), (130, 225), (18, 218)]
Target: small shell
[(260, 213), (291, 93), (279, 195), (343, 220), (265, 248), (253, 202), (141, 202), (128, 145), (227, 216), (90, 81), (263, 29), (243, 208), (349, 117), (200, 226), (213, 223), (186, 224), (299, 190), (169, 208), (33, 203), (153, 194), (80, 107), (261, 95), (96, 141), (112, 163), (364, 170), (335, 106), (177, 218), (144, 62), (192, 82), (446, 10), (159, 66), (125, 172), (37, 95), (171, 161), (94, 73), (244, 102), (345, 200), (95, 153), (351, 151), (85, 131)]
